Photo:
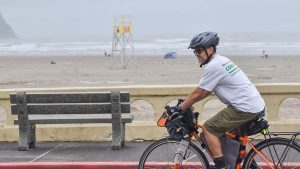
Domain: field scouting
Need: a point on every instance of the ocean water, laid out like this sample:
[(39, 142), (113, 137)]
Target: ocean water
[(144, 47)]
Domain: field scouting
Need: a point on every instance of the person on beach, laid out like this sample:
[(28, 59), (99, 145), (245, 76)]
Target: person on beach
[(231, 86)]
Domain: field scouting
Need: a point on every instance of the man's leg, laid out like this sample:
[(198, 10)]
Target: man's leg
[(214, 145), (226, 120), (213, 142)]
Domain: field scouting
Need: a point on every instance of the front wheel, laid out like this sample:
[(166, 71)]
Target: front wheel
[(277, 153), (161, 153)]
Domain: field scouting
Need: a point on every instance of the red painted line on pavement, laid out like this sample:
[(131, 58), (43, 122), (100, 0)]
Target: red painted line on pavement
[(69, 165), (93, 165)]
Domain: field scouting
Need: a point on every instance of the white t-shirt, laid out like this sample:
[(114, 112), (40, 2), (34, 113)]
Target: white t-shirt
[(231, 85)]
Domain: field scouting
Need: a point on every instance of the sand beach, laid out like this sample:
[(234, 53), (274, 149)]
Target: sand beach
[(97, 70)]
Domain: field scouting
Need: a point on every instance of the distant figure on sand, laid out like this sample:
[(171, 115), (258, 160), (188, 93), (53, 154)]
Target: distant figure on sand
[(264, 55), (106, 54)]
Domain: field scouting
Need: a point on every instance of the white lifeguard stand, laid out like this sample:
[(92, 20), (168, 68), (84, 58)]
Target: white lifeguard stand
[(122, 44)]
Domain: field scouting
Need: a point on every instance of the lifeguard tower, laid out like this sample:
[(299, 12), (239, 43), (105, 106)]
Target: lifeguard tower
[(122, 44)]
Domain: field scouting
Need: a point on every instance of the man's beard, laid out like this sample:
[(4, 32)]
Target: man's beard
[(201, 61)]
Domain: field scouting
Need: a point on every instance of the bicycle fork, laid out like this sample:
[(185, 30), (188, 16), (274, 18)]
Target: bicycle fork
[(180, 153)]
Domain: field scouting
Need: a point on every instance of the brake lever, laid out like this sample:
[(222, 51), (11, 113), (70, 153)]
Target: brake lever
[(168, 110), (180, 101)]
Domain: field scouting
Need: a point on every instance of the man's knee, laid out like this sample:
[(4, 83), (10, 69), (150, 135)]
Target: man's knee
[(211, 130)]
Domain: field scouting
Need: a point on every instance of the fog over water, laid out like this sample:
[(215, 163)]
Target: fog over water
[(157, 25)]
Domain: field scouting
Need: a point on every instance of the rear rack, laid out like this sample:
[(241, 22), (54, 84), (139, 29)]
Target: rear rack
[(293, 134), (284, 133)]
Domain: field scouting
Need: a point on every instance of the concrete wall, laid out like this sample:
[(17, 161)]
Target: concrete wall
[(158, 96)]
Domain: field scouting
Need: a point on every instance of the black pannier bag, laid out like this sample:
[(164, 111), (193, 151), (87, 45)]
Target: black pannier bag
[(182, 124), (230, 149), (257, 126), (177, 128)]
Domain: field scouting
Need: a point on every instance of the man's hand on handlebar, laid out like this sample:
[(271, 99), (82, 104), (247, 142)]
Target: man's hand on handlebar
[(174, 110)]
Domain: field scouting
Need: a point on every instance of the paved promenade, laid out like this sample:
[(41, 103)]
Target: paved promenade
[(74, 155), (71, 155), (72, 152)]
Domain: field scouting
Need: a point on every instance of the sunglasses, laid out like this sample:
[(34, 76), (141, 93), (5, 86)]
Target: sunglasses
[(198, 51)]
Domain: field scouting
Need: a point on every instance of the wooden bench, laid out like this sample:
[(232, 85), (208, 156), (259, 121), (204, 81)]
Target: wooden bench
[(69, 108)]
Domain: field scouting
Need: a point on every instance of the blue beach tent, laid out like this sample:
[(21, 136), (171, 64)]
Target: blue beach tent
[(170, 55)]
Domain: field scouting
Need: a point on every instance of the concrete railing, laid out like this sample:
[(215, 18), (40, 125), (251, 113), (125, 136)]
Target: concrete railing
[(159, 95)]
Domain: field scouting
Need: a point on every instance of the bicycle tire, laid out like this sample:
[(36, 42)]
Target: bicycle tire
[(194, 156), (274, 149)]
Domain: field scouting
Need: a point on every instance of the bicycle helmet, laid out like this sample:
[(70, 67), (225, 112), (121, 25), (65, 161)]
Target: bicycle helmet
[(204, 40)]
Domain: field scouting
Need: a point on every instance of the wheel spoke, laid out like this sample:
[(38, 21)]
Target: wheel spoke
[(284, 155), (160, 155), (272, 156), (280, 152)]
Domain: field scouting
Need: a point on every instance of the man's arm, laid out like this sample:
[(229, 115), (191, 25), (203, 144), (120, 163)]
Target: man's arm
[(195, 96)]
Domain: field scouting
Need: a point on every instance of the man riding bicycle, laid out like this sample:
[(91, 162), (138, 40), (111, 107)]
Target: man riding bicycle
[(231, 86)]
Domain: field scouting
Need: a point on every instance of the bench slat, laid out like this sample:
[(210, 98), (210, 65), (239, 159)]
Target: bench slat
[(71, 108), (72, 119), (99, 97)]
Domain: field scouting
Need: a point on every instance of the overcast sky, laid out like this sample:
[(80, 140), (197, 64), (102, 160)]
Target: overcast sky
[(174, 18)]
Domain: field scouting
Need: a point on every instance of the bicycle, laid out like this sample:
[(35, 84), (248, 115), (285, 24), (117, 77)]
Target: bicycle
[(273, 152)]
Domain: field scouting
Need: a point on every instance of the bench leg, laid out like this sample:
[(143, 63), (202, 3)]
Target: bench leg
[(123, 135), (32, 137), (27, 137), (118, 127), (117, 136), (23, 141)]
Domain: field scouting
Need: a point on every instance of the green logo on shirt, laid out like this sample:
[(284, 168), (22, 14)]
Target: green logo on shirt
[(231, 68)]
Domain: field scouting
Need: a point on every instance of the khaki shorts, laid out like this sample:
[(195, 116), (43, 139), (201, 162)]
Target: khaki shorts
[(226, 120)]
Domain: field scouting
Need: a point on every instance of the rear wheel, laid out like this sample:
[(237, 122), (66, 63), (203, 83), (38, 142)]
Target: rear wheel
[(277, 153), (161, 154)]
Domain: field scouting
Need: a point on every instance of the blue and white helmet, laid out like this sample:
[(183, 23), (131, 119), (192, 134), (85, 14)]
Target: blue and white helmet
[(204, 40)]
